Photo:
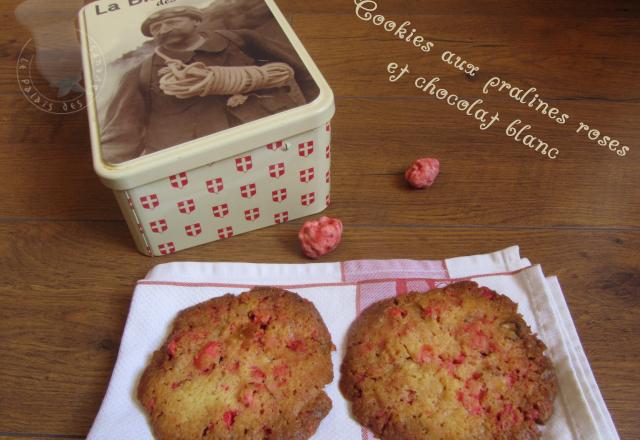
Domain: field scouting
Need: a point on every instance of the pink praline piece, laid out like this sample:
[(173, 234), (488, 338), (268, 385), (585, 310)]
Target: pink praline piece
[(319, 237), (422, 172)]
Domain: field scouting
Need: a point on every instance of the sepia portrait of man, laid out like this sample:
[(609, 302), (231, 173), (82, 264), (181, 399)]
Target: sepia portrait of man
[(198, 82)]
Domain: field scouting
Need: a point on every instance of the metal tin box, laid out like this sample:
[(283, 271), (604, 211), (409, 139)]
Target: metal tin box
[(207, 118)]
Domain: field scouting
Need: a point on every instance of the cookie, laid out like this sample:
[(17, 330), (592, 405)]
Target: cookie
[(251, 366), (452, 363)]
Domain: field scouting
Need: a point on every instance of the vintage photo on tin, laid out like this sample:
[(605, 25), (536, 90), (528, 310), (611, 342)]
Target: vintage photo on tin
[(190, 69)]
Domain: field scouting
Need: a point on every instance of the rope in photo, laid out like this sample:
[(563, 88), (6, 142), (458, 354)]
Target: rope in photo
[(197, 79)]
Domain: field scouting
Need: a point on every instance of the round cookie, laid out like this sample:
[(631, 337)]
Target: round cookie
[(453, 363), (251, 366)]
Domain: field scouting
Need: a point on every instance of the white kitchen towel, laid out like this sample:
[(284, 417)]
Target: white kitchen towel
[(340, 291)]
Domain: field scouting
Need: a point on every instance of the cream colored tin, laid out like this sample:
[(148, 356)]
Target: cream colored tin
[(210, 119)]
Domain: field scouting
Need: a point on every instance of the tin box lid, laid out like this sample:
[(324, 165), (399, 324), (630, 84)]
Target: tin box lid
[(278, 89)]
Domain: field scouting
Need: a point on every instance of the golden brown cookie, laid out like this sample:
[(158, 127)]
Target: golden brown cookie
[(454, 363), (251, 366)]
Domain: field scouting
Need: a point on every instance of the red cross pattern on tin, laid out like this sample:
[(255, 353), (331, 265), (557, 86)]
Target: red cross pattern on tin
[(252, 214), (248, 191), (225, 232), (281, 217), (179, 180), (308, 199), (279, 195), (244, 164), (307, 175), (214, 186), (276, 170), (167, 248), (275, 146), (220, 211), (305, 149), (193, 230), (150, 202), (159, 226), (186, 206)]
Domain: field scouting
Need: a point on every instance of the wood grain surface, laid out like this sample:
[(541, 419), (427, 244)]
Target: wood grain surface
[(68, 265)]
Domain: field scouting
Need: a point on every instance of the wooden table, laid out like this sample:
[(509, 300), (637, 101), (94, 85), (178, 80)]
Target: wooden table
[(68, 266)]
